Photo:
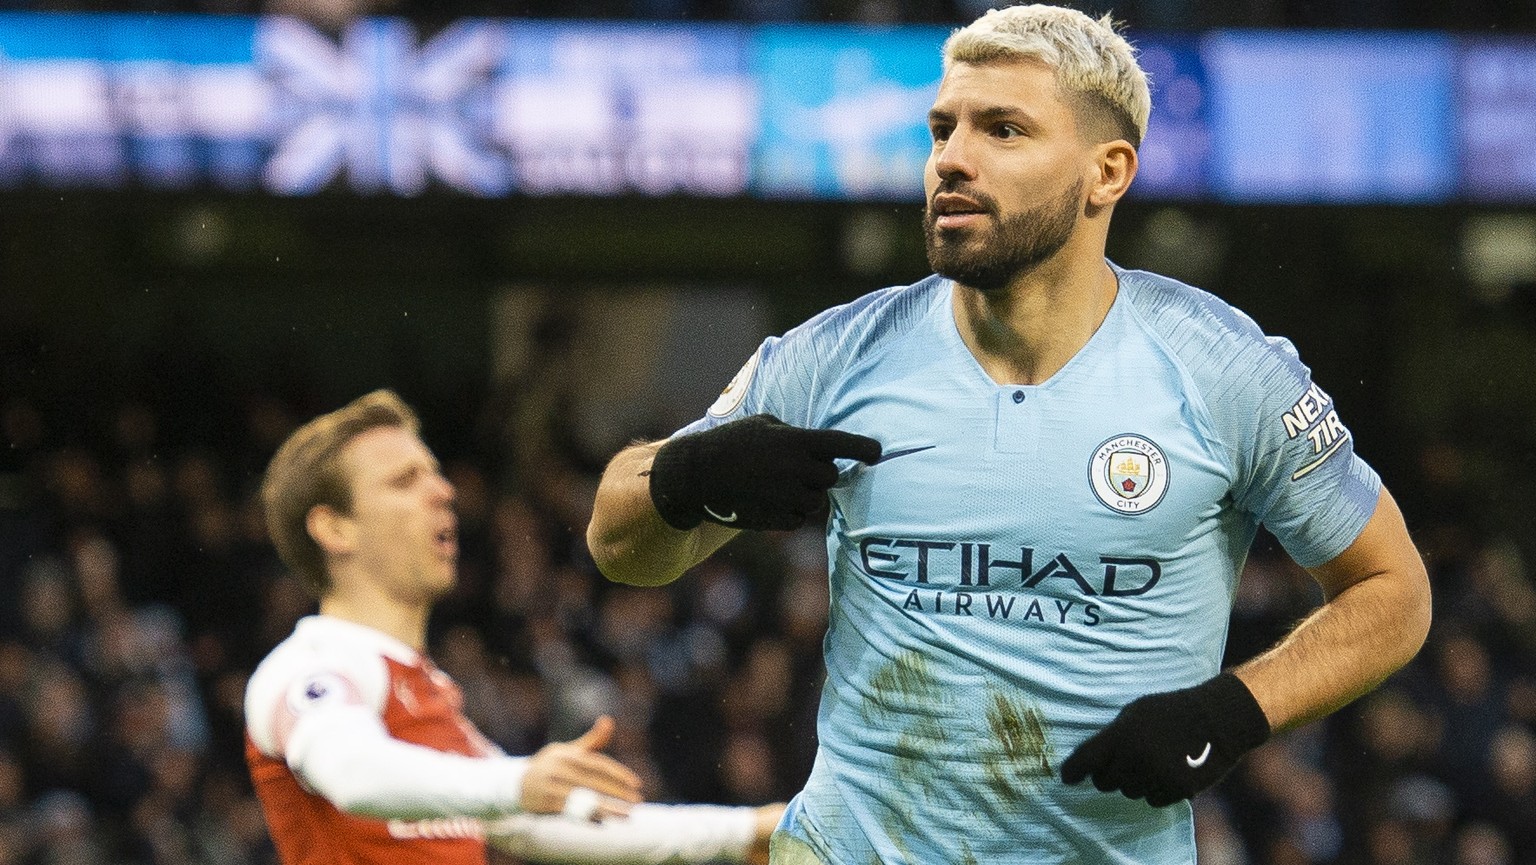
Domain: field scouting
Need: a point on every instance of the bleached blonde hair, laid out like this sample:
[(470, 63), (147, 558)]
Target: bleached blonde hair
[(1093, 63)]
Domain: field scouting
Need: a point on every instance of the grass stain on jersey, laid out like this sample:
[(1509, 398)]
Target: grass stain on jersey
[(904, 690), (903, 685), (914, 759), (898, 824), (1023, 750)]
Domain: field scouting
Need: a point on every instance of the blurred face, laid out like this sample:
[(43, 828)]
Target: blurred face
[(1006, 177), (406, 533)]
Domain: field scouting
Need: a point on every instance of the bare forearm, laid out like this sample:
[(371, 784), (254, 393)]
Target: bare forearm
[(1369, 627), (1340, 652), (627, 538)]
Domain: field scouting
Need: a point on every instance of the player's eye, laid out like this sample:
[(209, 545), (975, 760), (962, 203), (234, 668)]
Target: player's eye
[(1007, 131), (940, 133)]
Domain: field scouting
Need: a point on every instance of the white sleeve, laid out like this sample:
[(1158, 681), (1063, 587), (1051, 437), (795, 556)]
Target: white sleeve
[(344, 754), (650, 835), (321, 714)]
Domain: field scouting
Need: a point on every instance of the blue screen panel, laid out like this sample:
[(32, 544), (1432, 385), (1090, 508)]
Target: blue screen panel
[(1175, 152), (844, 111), (105, 100), (1331, 117), (606, 108), (1496, 95)]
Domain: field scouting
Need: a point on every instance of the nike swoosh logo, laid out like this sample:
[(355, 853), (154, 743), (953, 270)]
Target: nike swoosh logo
[(1197, 762), (901, 453), (729, 519)]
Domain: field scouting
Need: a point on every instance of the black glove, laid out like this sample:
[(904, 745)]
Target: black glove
[(753, 473), (1168, 747)]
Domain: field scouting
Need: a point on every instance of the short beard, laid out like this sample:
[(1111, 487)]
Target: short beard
[(1018, 244)]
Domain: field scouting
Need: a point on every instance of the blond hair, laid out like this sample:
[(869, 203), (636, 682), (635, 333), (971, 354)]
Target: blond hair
[(1093, 63), (306, 472)]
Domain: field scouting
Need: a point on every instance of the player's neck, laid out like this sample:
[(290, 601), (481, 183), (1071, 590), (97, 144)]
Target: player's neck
[(1027, 331), (368, 605)]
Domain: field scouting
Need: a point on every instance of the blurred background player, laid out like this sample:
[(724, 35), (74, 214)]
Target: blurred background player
[(357, 745), (1045, 474)]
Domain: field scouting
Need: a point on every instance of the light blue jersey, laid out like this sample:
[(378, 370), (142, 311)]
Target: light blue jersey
[(1025, 560)]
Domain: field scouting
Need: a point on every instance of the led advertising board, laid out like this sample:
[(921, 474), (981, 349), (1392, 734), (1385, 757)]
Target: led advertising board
[(498, 107)]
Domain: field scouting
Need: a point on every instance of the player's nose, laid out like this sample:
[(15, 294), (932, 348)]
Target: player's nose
[(953, 160), (443, 490)]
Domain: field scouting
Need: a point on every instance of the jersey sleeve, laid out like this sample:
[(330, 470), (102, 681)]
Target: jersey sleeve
[(650, 835), (292, 685), (1300, 476), (1293, 467)]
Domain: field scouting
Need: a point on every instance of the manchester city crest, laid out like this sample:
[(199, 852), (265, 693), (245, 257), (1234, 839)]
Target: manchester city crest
[(1129, 474)]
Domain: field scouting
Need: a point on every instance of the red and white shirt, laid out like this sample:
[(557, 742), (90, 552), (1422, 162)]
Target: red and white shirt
[(360, 752), (361, 755)]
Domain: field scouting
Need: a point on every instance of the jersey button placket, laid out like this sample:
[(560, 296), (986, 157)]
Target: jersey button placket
[(1018, 422)]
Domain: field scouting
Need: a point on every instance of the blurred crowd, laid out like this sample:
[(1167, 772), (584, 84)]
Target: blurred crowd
[(137, 591), (1468, 15)]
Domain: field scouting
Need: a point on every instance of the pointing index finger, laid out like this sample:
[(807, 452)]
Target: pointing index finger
[(831, 444), (1087, 759)]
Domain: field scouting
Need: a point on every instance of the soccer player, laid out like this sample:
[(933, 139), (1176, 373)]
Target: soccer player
[(1044, 473), (357, 744)]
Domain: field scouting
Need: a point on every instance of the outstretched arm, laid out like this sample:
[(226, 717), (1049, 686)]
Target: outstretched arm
[(1374, 618), (346, 755)]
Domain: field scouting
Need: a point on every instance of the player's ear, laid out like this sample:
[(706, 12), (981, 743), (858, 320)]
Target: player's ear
[(332, 530), (1115, 164)]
